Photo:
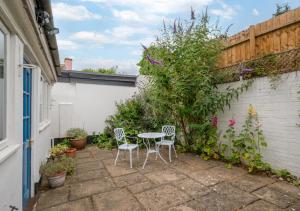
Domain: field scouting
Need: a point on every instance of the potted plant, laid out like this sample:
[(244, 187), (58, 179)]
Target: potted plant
[(58, 150), (71, 152), (56, 171), (77, 137)]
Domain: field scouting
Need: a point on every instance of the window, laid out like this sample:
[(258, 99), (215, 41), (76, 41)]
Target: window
[(2, 86), (44, 100)]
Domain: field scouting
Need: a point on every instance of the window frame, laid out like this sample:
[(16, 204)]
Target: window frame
[(4, 30), (44, 106)]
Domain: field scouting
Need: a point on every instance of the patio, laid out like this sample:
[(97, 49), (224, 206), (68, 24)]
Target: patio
[(188, 183)]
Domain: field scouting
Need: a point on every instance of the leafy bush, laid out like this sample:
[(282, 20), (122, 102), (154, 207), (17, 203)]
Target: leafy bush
[(77, 133), (57, 150), (57, 166)]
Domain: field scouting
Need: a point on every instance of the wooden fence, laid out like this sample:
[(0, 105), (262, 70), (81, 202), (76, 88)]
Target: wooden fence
[(276, 35)]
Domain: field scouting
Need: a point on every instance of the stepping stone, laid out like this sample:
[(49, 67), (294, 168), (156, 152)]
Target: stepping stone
[(53, 197), (294, 207), (83, 154), (103, 155), (89, 166), (226, 173), (84, 160), (165, 176), (198, 162), (275, 196), (93, 174), (140, 187), (195, 189), (152, 166), (120, 169), (120, 199), (79, 205), (129, 179), (261, 206), (91, 187), (192, 205), (251, 183), (206, 178), (242, 198), (286, 188), (184, 167), (162, 197)]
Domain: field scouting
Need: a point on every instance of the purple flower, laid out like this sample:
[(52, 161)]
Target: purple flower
[(175, 28), (214, 121), (192, 14), (145, 48), (153, 61), (245, 71)]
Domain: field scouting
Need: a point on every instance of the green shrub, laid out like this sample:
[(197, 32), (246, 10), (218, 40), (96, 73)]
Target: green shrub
[(57, 166), (77, 133)]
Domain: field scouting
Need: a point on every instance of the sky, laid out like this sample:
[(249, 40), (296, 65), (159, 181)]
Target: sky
[(107, 33)]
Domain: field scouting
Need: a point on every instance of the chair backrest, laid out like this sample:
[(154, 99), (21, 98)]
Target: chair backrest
[(120, 135), (169, 130)]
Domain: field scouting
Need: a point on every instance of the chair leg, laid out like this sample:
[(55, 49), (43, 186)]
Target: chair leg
[(170, 153), (174, 150), (156, 148), (130, 157), (117, 157), (146, 160), (138, 153)]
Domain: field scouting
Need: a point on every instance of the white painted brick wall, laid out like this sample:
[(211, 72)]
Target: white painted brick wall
[(278, 111)]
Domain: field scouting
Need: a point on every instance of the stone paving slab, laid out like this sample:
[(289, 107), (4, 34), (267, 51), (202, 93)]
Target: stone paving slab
[(129, 179), (162, 197), (250, 183), (91, 187), (169, 175), (261, 205), (187, 183), (120, 199), (53, 197), (275, 197), (79, 205)]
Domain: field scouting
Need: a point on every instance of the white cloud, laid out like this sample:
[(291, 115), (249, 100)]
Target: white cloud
[(255, 12), (121, 35), (124, 66), (66, 11), (227, 12), (67, 44)]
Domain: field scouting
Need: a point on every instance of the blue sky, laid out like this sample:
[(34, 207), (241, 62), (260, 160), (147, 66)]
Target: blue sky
[(106, 33)]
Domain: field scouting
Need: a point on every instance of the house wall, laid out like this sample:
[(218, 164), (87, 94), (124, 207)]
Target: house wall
[(278, 111), (22, 41), (85, 105)]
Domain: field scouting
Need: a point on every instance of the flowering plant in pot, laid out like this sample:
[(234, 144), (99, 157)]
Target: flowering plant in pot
[(77, 138), (58, 150), (56, 170)]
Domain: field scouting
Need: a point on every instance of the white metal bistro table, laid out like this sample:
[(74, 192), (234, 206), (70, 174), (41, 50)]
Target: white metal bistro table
[(151, 149)]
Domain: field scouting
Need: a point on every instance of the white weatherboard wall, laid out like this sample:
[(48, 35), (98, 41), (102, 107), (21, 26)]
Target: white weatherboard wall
[(278, 111), (85, 105)]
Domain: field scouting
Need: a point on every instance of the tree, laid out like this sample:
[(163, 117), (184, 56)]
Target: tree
[(281, 8)]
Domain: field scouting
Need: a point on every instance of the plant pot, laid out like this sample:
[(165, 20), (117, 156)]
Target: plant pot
[(78, 143), (71, 152), (57, 180)]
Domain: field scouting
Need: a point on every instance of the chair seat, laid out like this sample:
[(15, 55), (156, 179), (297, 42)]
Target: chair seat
[(165, 142), (128, 146)]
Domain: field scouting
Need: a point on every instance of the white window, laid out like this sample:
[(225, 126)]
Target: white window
[(44, 101), (2, 85)]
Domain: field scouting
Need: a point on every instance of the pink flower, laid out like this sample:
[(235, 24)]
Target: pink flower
[(231, 122), (214, 121)]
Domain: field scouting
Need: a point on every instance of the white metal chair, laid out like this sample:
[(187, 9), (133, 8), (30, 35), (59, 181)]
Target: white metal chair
[(123, 145), (168, 140)]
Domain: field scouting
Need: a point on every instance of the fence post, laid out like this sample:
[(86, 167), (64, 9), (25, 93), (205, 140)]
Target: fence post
[(252, 41)]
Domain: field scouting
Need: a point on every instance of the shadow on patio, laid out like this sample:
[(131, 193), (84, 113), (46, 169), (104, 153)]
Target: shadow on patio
[(188, 183)]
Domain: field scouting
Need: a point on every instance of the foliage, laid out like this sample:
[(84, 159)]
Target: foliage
[(246, 146), (58, 150), (77, 133), (66, 142), (181, 66), (282, 8), (112, 70), (103, 141), (57, 166), (286, 175)]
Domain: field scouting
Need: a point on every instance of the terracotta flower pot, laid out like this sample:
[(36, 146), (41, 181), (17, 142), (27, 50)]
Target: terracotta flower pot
[(71, 152), (78, 143), (57, 180)]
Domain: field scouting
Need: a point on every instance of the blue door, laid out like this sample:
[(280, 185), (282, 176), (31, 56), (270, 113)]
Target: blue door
[(26, 135)]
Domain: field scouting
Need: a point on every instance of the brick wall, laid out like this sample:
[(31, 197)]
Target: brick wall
[(278, 111)]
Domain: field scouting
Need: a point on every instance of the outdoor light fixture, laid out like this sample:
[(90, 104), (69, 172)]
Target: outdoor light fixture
[(42, 17), (53, 31)]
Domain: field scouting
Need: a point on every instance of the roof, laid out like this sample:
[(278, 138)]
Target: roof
[(97, 78)]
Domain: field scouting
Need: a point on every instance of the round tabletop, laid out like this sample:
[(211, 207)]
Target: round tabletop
[(151, 135)]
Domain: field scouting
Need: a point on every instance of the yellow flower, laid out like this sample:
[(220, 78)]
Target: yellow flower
[(251, 110)]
